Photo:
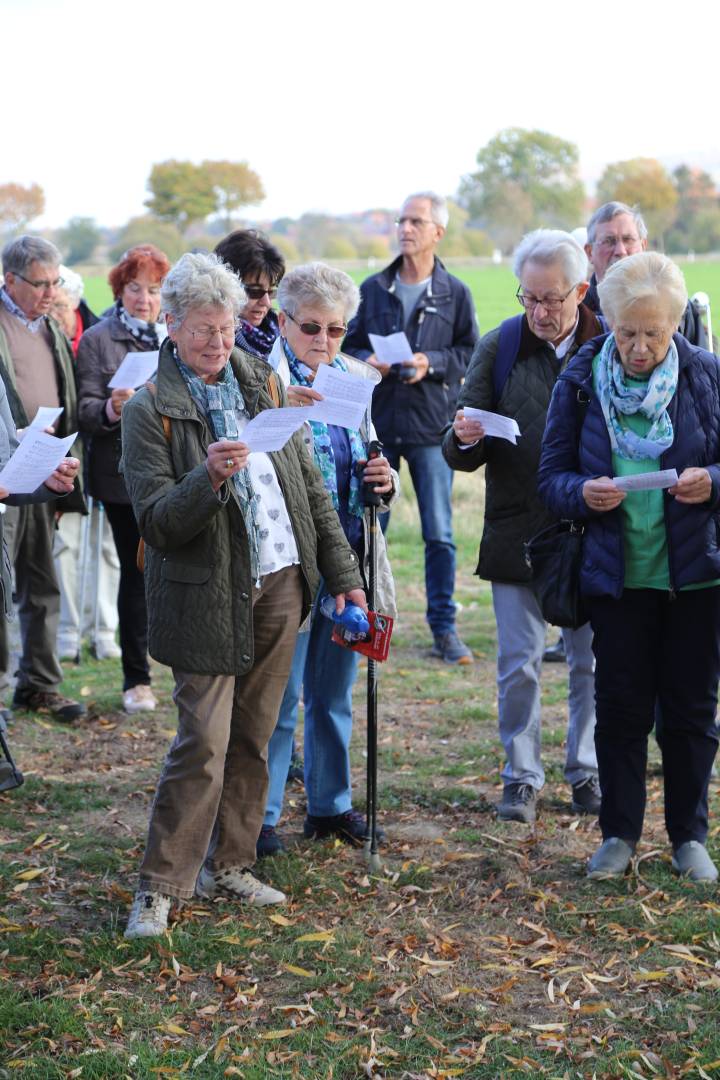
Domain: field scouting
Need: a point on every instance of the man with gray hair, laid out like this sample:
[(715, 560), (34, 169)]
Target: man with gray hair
[(416, 399), (615, 231), (513, 371), (36, 367)]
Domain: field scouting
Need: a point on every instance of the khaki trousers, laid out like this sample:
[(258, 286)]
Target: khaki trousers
[(210, 800)]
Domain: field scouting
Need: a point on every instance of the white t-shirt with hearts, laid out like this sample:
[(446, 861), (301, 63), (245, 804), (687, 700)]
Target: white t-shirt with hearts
[(277, 540)]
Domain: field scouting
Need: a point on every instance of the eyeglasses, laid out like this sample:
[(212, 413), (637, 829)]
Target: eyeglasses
[(312, 329), (550, 303), (56, 284), (610, 242), (204, 334), (256, 292), (416, 222)]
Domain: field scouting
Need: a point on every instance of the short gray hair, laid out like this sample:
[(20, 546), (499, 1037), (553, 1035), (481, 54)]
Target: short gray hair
[(318, 285), (72, 284), (646, 275), (19, 253), (438, 206), (610, 210), (548, 247), (197, 279)]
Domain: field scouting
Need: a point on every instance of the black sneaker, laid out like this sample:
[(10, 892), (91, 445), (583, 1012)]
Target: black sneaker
[(555, 654), (586, 796), (518, 803), (296, 771), (350, 827), (451, 649), (268, 842), (47, 701)]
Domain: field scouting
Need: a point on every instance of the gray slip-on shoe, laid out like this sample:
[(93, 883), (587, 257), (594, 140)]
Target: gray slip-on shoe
[(692, 861), (611, 859)]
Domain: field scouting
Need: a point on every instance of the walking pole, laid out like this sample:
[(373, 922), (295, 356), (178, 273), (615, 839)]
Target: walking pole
[(370, 848), (84, 552), (703, 301), (98, 570)]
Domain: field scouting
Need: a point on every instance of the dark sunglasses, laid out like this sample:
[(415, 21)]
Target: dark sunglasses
[(256, 292), (312, 329)]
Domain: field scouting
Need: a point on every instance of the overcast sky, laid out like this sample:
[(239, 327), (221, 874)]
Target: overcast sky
[(341, 106)]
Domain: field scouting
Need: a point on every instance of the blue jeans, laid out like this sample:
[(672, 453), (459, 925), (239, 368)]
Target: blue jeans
[(325, 673), (432, 480)]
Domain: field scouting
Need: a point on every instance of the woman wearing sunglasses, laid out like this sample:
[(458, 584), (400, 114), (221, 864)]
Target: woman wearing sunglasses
[(260, 266), (316, 303)]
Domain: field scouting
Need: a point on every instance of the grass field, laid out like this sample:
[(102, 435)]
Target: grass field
[(480, 950), (493, 289)]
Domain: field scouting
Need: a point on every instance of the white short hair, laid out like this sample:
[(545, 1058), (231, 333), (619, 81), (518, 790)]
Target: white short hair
[(646, 275), (318, 285), (548, 247), (198, 279), (72, 284), (438, 206)]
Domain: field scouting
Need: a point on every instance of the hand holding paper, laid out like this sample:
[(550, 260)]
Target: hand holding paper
[(345, 397), (34, 461), (649, 481), (136, 369), (501, 427), (392, 349)]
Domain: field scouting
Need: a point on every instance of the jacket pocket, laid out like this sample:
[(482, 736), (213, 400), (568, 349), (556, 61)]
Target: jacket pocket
[(185, 573)]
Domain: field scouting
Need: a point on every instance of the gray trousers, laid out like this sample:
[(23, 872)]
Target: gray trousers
[(521, 640), (29, 532), (210, 800)]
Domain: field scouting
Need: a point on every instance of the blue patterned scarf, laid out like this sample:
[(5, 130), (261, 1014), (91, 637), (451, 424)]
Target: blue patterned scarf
[(258, 340), (324, 457), (651, 400), (221, 402)]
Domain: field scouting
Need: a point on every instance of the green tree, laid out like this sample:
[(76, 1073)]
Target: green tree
[(339, 246), (148, 230), (181, 192), (19, 205), (235, 184), (645, 183), (525, 179), (697, 212), (454, 242), (286, 247), (78, 239)]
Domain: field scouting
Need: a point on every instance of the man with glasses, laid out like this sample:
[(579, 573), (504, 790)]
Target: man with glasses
[(513, 371), (37, 369), (416, 399), (614, 231)]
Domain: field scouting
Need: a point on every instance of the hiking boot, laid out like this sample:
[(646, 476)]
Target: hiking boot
[(692, 861), (350, 827), (518, 803), (47, 701), (148, 915), (268, 842), (451, 649), (139, 698), (586, 796), (234, 883), (612, 859), (555, 654)]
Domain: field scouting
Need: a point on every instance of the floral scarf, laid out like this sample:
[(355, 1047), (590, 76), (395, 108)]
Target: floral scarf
[(258, 340), (221, 402), (324, 457), (619, 398)]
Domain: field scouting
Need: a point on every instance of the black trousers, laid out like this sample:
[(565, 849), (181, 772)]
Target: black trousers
[(131, 596), (651, 646)]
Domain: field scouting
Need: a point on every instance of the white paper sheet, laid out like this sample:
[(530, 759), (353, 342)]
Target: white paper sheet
[(272, 428), (136, 369), (393, 349), (37, 456), (646, 481), (346, 397), (501, 427), (45, 417)]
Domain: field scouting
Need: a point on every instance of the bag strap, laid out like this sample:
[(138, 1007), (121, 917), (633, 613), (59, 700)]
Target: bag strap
[(272, 389), (507, 350)]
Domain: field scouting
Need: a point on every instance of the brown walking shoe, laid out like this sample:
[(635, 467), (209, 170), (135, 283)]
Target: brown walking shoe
[(47, 701)]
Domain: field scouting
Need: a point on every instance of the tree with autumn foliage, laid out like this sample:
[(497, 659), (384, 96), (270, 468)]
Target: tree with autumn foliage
[(235, 184), (184, 193), (19, 205), (645, 183)]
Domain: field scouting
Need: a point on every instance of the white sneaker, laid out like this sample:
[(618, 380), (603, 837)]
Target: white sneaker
[(107, 649), (236, 884), (139, 698), (67, 649), (148, 915)]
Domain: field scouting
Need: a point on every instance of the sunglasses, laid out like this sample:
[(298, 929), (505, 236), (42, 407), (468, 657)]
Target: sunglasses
[(312, 329), (256, 292)]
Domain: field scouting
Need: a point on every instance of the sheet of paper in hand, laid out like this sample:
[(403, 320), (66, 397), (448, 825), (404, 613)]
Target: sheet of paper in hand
[(346, 397), (646, 481), (501, 427), (136, 369), (272, 428), (393, 349), (37, 456)]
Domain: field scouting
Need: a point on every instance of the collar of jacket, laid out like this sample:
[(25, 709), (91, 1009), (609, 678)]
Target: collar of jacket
[(439, 284), (588, 327), (172, 397)]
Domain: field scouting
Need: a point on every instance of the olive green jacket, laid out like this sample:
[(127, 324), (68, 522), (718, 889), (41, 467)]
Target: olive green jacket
[(197, 560)]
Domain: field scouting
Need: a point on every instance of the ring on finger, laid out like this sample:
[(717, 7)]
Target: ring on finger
[(229, 463)]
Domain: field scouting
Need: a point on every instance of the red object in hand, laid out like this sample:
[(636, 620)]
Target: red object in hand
[(377, 641)]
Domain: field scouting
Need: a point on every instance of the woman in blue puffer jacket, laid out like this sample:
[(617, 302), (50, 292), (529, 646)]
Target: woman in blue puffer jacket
[(638, 402)]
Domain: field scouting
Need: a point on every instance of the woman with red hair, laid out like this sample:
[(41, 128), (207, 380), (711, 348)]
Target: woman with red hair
[(132, 326)]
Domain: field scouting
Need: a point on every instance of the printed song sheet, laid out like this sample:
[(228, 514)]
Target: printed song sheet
[(37, 456), (45, 417), (136, 369), (272, 428), (346, 397), (393, 349), (646, 481), (501, 427)]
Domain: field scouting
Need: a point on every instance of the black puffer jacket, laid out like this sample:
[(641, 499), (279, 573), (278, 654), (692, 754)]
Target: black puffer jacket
[(513, 510)]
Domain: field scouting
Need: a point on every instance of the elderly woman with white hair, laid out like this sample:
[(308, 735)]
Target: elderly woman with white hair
[(651, 557), (513, 371), (316, 302), (233, 544)]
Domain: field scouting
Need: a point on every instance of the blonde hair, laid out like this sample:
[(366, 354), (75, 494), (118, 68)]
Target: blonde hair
[(646, 275)]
